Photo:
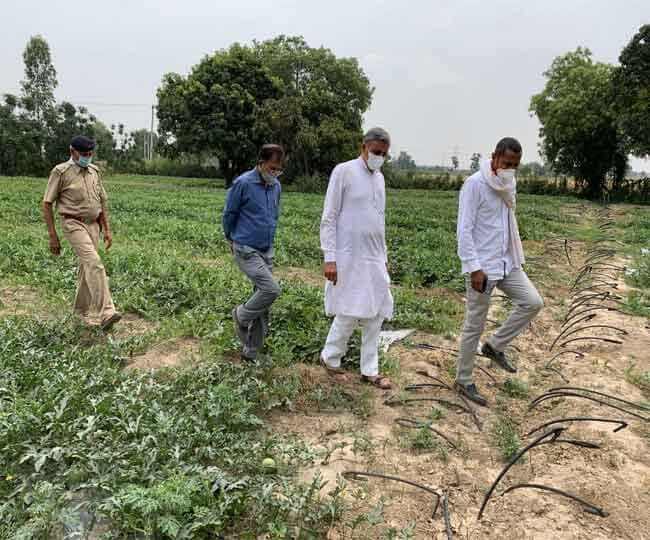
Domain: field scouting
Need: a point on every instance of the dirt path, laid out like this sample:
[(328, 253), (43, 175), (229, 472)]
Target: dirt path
[(363, 435)]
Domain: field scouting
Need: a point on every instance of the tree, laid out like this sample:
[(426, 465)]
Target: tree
[(579, 131), (454, 162), (20, 140), (405, 162), (64, 122), (531, 170), (632, 90), (40, 79), (214, 110), (475, 162), (318, 115)]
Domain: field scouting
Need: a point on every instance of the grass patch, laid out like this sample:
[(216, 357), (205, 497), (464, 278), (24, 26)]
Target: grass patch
[(639, 378), (515, 388), (504, 436)]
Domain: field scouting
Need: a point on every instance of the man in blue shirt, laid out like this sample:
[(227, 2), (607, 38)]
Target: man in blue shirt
[(250, 219)]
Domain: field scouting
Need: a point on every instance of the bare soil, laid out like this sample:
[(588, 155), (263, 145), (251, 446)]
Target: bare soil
[(615, 477)]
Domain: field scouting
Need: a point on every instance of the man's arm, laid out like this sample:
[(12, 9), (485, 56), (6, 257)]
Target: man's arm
[(51, 195), (231, 209), (48, 216), (467, 209), (331, 210), (105, 225)]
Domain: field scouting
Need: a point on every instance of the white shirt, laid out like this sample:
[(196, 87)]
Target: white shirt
[(483, 229), (352, 234)]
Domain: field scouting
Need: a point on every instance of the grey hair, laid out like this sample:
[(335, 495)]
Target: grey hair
[(377, 134)]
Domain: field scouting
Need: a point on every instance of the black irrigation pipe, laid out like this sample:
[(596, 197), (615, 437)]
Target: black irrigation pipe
[(586, 318), (391, 401), (597, 393), (606, 297), (609, 266), (443, 384), (603, 295), (595, 338), (419, 424), (621, 423), (578, 354), (587, 506), (582, 328), (574, 442), (550, 435), (594, 279), (558, 372), (566, 252), (354, 475), (553, 395), (593, 307), (445, 513), (427, 346), (595, 286)]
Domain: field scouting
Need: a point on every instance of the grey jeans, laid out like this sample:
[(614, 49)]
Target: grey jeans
[(254, 314), (527, 303)]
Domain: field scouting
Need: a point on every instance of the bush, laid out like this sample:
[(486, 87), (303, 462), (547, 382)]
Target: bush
[(161, 166), (314, 183)]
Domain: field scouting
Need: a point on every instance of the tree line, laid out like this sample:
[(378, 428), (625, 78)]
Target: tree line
[(593, 115)]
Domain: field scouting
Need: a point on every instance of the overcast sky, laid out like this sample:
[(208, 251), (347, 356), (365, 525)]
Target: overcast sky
[(449, 76)]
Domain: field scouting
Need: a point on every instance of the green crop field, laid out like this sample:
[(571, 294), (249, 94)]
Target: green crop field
[(177, 453)]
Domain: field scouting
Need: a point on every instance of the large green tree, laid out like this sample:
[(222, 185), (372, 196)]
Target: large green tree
[(318, 115), (632, 89), (579, 129), (214, 110), (40, 79)]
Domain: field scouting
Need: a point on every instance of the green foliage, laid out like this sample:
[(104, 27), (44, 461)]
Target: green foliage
[(215, 108), (515, 388), (579, 129), (475, 162), (632, 90), (146, 449), (504, 437), (404, 162), (279, 90), (639, 378), (40, 79)]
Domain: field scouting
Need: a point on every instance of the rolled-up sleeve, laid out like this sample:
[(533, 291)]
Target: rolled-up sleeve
[(53, 187), (331, 210), (467, 209)]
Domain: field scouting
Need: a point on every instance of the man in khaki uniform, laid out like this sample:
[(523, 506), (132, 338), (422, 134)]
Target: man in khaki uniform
[(77, 189)]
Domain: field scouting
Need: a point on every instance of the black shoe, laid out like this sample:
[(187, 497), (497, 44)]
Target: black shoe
[(498, 357), (471, 392)]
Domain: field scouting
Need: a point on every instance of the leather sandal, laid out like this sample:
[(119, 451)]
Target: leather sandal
[(338, 374), (381, 382)]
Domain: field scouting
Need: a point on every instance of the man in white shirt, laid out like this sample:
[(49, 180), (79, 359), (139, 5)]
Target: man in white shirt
[(353, 240), (492, 256)]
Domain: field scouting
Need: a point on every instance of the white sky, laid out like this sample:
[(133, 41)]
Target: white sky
[(450, 76)]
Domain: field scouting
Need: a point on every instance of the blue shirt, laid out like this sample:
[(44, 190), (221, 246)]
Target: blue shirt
[(250, 216)]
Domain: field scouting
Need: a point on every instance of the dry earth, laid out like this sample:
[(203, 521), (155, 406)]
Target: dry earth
[(366, 437)]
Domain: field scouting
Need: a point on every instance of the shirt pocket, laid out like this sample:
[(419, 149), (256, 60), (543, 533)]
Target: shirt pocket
[(76, 191)]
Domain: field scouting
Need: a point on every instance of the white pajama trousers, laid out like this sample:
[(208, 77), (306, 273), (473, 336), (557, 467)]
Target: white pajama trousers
[(336, 344)]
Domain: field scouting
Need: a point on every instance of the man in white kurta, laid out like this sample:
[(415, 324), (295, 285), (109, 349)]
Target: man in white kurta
[(353, 241)]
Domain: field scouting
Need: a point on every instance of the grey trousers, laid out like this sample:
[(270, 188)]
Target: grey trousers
[(254, 314), (527, 304)]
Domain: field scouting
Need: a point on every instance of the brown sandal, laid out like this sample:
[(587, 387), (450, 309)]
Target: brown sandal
[(381, 382), (338, 374)]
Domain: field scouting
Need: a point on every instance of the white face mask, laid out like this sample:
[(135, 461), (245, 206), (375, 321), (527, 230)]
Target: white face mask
[(374, 161), (507, 175)]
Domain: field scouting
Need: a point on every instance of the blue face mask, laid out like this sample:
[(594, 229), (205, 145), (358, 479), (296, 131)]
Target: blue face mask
[(84, 161)]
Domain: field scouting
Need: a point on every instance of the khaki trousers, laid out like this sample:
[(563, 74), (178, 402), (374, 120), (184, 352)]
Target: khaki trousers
[(93, 301), (527, 304)]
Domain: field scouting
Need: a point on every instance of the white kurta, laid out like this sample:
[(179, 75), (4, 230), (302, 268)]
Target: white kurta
[(353, 235)]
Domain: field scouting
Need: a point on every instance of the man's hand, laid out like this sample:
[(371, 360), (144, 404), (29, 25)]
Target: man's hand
[(55, 246), (330, 272), (108, 240), (479, 281)]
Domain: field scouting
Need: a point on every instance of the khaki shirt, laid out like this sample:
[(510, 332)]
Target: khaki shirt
[(77, 191)]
